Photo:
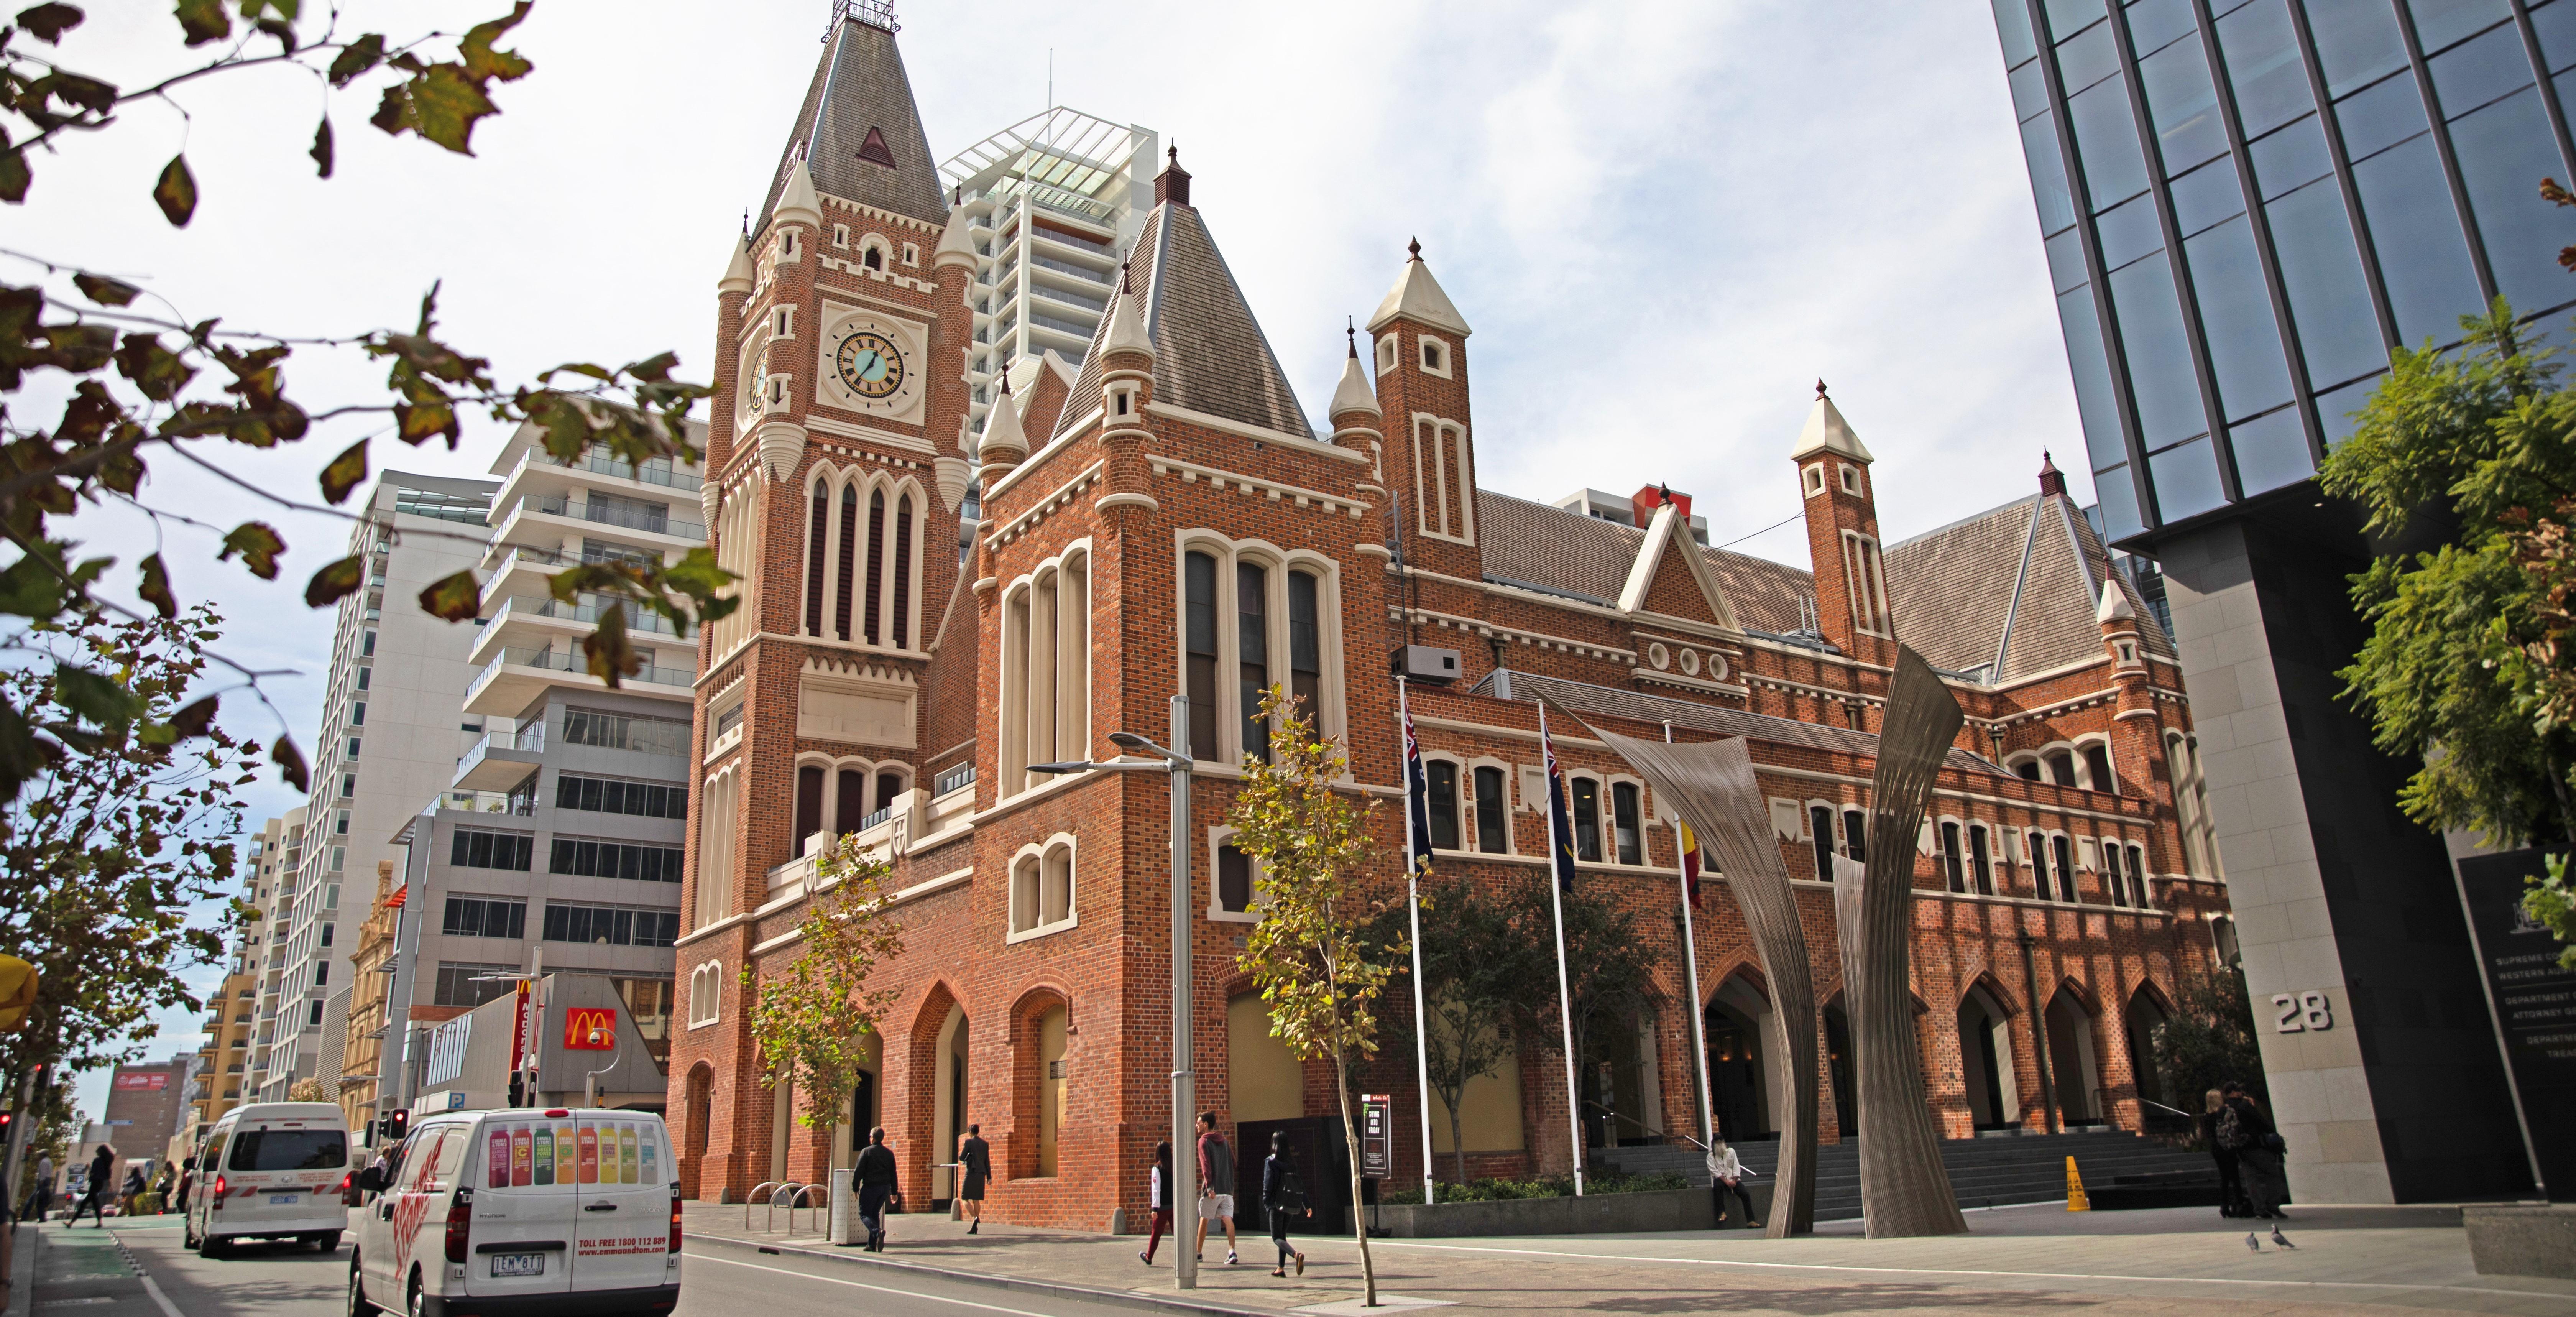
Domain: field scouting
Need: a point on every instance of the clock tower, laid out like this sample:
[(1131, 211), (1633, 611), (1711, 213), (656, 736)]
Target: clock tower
[(834, 476)]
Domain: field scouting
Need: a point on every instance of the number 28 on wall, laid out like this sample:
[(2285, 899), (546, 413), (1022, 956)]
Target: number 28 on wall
[(2302, 1011)]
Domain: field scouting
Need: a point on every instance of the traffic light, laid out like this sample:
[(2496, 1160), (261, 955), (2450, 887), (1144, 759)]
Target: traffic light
[(8, 1126), (395, 1126)]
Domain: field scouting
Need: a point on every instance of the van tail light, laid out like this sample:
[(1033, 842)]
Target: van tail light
[(675, 1218), (219, 1195), (348, 1199), (460, 1224)]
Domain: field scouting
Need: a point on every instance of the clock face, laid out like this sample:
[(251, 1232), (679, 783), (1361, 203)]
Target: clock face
[(870, 364)]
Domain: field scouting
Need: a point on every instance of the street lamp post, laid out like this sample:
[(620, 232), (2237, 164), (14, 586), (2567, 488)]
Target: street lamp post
[(1182, 1193)]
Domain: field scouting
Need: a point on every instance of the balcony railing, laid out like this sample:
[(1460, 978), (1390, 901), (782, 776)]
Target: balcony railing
[(637, 619), (1062, 326), (1056, 294), (649, 474), (656, 521), (1077, 271), (572, 660), (954, 779)]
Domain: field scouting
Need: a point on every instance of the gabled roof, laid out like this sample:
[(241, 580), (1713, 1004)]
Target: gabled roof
[(860, 89), (1209, 352), (1668, 539), (1561, 552), (2015, 589)]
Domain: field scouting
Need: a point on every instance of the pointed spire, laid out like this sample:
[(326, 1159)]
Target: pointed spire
[(2116, 607), (956, 243), (738, 275), (1004, 442), (798, 204), (1417, 296), (1827, 432), (1354, 394), (2051, 480), (1127, 327)]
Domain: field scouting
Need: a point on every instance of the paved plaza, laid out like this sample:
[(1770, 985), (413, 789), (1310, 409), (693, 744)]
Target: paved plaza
[(2017, 1260)]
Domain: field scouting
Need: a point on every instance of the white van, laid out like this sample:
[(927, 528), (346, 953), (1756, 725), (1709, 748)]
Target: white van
[(498, 1213), (271, 1170)]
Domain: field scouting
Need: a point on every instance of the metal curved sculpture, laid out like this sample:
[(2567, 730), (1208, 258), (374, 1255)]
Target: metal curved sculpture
[(1711, 784), (1904, 1189)]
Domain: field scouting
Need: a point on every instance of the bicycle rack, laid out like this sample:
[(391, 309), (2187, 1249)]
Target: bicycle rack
[(811, 1197)]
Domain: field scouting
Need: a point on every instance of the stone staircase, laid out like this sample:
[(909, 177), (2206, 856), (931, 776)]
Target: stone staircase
[(1989, 1172)]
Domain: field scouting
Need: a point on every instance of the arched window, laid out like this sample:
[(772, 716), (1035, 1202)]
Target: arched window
[(1981, 858), (849, 799), (2027, 768), (1042, 888), (1444, 489), (1587, 818), (2061, 768), (2097, 764), (1820, 830), (706, 993), (1856, 836), (1493, 812), (2065, 852), (860, 566), (2036, 845), (1441, 778), (809, 804), (1627, 823), (873, 257), (1045, 676), (2137, 875), (1953, 864), (1233, 646), (848, 558), (715, 847)]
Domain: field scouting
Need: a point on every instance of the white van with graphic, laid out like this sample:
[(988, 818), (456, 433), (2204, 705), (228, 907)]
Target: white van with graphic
[(499, 1213), (270, 1170)]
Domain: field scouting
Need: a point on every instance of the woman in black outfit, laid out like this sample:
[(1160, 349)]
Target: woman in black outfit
[(2231, 1189), (1280, 1201), (2259, 1161)]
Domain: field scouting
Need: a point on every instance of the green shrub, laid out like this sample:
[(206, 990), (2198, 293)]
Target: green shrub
[(1544, 1186)]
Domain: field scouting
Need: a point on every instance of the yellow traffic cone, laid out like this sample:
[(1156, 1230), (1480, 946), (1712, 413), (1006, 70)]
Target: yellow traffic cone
[(2075, 1199)]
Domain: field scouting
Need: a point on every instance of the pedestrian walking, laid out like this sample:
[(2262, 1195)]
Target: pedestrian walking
[(188, 1180), (102, 1169), (129, 1194), (1216, 1186), (162, 1184), (1158, 1200), (2231, 1187), (2244, 1127), (40, 1195), (874, 1177), (1726, 1176), (975, 1158), (1282, 1199)]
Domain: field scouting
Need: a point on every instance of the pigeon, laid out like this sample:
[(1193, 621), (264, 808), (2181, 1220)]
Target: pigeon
[(2277, 1239), (2252, 1243)]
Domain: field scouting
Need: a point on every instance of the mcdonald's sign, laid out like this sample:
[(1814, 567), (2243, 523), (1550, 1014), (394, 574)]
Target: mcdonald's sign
[(590, 1029)]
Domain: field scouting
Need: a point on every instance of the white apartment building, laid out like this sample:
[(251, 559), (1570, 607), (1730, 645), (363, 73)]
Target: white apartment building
[(1054, 206), (390, 737)]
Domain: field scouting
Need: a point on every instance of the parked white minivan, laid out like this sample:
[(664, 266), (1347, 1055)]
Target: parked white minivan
[(499, 1213), (270, 1170)]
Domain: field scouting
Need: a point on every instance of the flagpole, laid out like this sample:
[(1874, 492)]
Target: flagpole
[(1413, 911), (1690, 956), (1562, 846)]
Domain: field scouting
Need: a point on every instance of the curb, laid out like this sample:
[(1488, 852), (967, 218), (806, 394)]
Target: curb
[(1020, 1284)]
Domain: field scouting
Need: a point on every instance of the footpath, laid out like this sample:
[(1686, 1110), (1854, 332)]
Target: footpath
[(2181, 1262)]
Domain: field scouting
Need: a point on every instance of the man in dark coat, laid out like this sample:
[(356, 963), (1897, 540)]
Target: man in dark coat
[(873, 1175)]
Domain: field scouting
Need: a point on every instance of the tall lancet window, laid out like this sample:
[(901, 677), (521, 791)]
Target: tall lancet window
[(903, 572), (876, 565), (1199, 643), (1305, 647), (816, 545), (1252, 620), (848, 558)]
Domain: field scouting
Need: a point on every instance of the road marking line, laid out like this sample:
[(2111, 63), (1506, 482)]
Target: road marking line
[(150, 1287), (859, 1285), (1941, 1271)]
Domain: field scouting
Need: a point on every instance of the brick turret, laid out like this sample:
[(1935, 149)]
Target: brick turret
[(1842, 535), (1430, 467)]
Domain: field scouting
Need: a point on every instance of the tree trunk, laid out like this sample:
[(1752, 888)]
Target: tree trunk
[(1351, 1146), (1458, 1135)]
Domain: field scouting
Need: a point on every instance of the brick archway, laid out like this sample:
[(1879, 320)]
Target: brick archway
[(1025, 1151), (913, 1114)]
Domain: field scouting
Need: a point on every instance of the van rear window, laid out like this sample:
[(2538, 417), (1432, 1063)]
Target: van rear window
[(289, 1150)]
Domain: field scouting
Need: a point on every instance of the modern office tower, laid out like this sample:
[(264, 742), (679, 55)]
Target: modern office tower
[(389, 740), (558, 833), (2245, 207), (281, 862), (1053, 205)]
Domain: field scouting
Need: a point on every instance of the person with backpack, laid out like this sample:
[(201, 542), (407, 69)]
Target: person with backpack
[(2245, 1130), (1158, 1198), (2231, 1188), (1282, 1198)]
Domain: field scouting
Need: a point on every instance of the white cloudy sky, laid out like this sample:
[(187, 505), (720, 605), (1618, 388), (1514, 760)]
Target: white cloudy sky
[(1664, 220)]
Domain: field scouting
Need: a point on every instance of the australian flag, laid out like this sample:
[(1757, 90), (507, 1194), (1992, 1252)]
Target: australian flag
[(1560, 827), (1417, 795)]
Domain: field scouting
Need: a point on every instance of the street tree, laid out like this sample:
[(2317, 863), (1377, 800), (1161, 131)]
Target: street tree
[(127, 825), (138, 380), (1478, 962), (1315, 956), (812, 1022), (2209, 1040)]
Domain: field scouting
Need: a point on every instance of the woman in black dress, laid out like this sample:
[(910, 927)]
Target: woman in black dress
[(2231, 1189), (975, 1157)]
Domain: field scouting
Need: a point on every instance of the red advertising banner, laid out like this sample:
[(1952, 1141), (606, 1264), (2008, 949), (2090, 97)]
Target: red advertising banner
[(590, 1029), (156, 1081)]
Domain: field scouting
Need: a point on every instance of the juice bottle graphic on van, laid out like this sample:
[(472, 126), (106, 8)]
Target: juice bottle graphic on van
[(565, 1160), (519, 1156), (496, 1170), (644, 1145), (542, 1145), (626, 1155), (589, 1154)]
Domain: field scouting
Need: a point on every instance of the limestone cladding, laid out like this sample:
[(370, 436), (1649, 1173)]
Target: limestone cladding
[(1042, 1014)]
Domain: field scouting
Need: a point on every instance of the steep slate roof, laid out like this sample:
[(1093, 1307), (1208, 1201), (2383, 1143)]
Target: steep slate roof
[(2018, 583), (859, 85), (1209, 352), (1609, 701), (1534, 544)]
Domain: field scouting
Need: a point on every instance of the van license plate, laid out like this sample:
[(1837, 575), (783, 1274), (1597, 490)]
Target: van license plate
[(288, 1199), (518, 1264)]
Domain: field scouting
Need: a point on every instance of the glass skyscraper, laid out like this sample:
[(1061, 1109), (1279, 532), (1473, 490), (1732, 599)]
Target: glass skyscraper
[(2246, 204)]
